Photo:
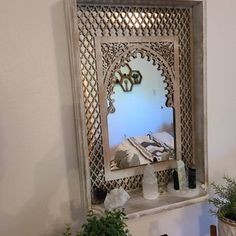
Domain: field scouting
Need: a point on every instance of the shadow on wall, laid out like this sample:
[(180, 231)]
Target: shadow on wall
[(154, 229), (36, 212), (39, 213), (222, 165), (205, 220), (67, 112), (193, 220), (202, 221)]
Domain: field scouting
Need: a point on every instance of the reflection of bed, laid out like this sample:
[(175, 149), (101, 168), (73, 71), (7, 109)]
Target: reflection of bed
[(143, 150)]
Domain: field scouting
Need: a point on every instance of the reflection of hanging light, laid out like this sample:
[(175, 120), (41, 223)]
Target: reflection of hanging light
[(131, 18), (138, 19)]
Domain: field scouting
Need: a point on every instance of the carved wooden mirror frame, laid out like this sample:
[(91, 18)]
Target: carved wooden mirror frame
[(163, 52), (187, 23)]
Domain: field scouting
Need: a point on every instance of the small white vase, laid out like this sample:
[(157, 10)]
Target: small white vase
[(226, 227)]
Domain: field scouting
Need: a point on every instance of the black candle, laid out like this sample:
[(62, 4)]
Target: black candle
[(176, 180), (98, 195), (192, 177)]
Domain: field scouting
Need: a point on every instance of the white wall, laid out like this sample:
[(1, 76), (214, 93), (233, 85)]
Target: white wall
[(38, 187)]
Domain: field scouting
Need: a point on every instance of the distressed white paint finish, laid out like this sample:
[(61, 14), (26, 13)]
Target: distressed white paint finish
[(199, 111)]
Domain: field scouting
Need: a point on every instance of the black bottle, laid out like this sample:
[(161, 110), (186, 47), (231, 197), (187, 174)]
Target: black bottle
[(176, 180), (192, 176), (98, 195)]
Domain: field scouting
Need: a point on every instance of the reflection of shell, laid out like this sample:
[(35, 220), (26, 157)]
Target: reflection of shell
[(116, 198)]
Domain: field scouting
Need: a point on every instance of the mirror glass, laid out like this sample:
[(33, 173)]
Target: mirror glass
[(141, 129)]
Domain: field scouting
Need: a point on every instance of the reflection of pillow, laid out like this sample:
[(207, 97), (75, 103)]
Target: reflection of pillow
[(123, 160), (141, 139), (126, 146), (119, 156), (164, 137)]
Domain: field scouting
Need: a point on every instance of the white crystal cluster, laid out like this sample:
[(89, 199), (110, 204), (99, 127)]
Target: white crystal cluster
[(116, 198), (181, 174)]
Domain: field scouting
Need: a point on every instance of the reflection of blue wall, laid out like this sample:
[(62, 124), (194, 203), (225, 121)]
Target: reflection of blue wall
[(140, 111)]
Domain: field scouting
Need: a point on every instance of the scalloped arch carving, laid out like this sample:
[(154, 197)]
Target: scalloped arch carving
[(161, 54)]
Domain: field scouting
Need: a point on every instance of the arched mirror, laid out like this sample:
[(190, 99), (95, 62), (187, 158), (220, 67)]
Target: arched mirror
[(141, 128), (139, 100)]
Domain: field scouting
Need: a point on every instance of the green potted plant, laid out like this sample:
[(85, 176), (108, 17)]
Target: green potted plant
[(224, 203), (112, 223)]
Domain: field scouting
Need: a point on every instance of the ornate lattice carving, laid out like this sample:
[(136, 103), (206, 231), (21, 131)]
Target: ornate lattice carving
[(97, 21), (110, 51)]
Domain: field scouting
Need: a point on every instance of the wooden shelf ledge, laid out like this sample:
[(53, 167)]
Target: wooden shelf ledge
[(137, 206)]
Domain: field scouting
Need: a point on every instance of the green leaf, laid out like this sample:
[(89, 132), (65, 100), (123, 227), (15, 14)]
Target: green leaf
[(111, 224), (224, 200)]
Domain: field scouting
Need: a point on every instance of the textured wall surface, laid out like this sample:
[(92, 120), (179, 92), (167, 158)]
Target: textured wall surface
[(39, 191)]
